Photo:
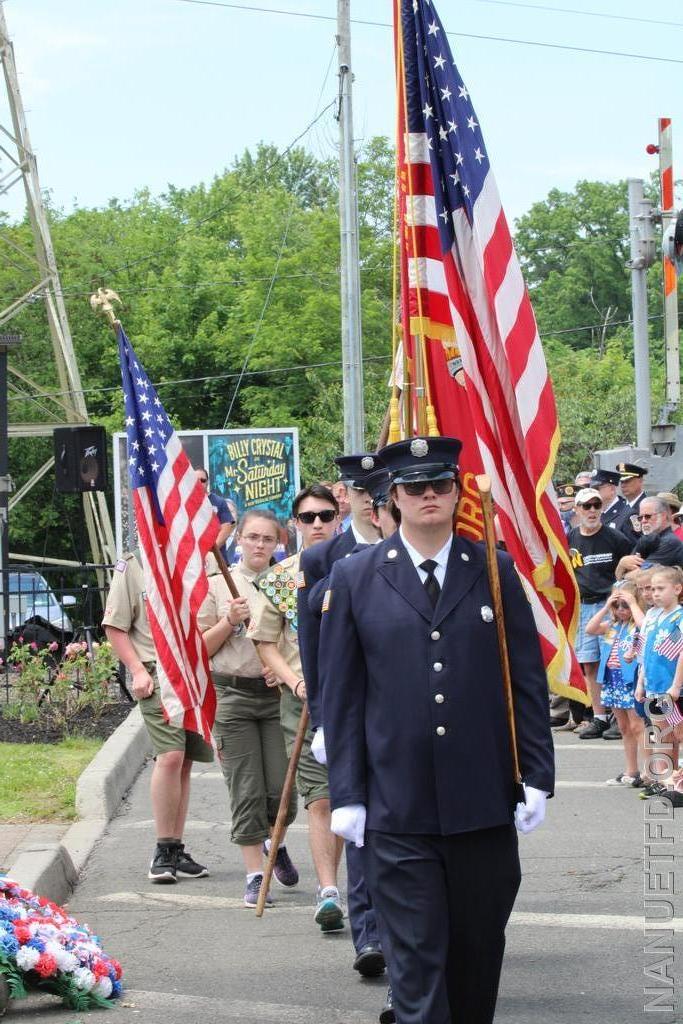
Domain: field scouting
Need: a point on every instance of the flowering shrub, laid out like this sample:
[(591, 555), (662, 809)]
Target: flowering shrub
[(42, 947), (45, 687)]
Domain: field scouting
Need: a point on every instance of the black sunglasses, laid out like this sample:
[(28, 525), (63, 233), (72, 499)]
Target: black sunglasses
[(417, 487), (203, 479), (592, 504), (326, 516)]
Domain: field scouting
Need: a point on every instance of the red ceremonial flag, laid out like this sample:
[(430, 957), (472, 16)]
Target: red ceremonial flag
[(177, 527), (463, 293)]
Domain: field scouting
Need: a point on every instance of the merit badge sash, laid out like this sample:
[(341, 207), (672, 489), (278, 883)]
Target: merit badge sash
[(279, 586)]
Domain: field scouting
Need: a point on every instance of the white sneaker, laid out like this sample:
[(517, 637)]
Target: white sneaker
[(621, 780), (329, 913)]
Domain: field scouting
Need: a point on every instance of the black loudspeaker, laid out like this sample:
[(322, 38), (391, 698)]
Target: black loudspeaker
[(80, 459)]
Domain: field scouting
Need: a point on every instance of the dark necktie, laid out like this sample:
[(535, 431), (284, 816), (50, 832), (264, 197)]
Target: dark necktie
[(431, 584)]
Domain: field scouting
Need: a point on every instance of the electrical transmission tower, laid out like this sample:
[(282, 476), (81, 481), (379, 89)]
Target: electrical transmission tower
[(68, 407)]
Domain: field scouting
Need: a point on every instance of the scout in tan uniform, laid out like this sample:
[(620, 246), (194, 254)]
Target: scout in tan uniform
[(247, 730), (125, 623), (273, 625)]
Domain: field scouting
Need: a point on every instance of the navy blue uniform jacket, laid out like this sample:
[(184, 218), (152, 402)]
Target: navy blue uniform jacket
[(413, 704), (316, 563), (623, 522), (615, 513)]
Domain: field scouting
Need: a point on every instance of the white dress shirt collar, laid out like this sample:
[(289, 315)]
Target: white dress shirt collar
[(441, 558), (360, 539)]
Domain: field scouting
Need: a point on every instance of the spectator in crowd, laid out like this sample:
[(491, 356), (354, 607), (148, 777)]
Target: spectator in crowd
[(583, 478), (658, 545), (662, 660), (672, 500), (677, 524), (341, 492), (633, 490), (248, 734), (225, 516), (565, 500), (595, 550), (615, 624), (643, 581), (606, 482)]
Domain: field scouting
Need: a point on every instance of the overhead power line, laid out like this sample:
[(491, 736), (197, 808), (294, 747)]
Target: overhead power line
[(583, 14), (455, 35), (302, 367)]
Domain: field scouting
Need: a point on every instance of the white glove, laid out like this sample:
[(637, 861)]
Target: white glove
[(531, 814), (349, 823), (318, 746)]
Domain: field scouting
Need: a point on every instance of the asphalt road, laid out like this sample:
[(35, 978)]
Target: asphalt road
[(193, 952)]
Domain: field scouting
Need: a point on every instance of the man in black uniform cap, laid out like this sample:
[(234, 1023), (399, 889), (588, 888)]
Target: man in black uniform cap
[(408, 660), (633, 490), (605, 482)]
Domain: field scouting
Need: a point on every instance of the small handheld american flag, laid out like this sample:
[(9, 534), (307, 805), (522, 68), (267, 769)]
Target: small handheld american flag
[(176, 527)]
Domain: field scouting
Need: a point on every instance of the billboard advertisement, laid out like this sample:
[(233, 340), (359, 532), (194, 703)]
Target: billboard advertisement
[(250, 468)]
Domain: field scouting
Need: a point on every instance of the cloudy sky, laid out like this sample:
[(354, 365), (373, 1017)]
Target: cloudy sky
[(125, 94)]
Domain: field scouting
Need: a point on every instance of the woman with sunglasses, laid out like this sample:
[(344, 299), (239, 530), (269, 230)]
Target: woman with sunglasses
[(247, 730), (616, 624)]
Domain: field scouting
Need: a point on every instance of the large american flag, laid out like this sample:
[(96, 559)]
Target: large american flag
[(176, 527), (464, 292)]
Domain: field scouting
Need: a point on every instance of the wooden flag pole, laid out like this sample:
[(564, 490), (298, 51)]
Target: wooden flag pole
[(281, 820), (484, 488)]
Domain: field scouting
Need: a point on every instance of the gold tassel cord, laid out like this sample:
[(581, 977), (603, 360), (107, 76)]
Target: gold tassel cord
[(426, 416)]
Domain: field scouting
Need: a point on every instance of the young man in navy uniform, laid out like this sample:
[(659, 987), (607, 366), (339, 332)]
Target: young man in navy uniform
[(316, 564), (606, 482), (409, 661)]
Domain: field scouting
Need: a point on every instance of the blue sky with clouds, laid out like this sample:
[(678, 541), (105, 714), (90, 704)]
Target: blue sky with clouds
[(124, 94)]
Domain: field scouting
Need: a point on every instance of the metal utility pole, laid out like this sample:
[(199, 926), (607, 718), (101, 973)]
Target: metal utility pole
[(642, 256), (69, 406), (6, 341), (666, 181), (352, 347)]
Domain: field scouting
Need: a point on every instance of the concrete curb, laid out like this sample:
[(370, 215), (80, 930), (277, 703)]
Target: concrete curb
[(52, 869)]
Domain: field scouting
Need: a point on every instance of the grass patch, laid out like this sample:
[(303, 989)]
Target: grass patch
[(39, 779)]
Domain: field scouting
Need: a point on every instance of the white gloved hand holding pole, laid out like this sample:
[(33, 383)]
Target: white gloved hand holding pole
[(318, 746), (349, 823), (530, 814)]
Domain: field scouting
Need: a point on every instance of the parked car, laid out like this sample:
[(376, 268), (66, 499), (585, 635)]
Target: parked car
[(30, 594)]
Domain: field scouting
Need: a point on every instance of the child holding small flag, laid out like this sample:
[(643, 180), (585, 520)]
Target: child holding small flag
[(662, 637)]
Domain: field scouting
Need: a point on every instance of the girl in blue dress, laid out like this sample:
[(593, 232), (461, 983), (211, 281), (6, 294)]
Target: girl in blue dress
[(616, 624)]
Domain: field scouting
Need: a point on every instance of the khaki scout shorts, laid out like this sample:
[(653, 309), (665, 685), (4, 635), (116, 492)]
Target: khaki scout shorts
[(311, 777), (167, 737)]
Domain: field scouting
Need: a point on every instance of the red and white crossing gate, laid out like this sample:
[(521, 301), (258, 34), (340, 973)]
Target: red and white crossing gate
[(668, 207)]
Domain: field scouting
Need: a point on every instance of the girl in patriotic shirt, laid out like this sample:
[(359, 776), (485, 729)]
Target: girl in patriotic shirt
[(616, 624), (662, 642)]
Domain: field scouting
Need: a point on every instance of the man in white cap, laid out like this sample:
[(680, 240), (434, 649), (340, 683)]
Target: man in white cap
[(595, 551)]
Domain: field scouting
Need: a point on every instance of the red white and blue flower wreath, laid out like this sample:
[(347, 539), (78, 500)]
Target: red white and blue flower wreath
[(43, 948)]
